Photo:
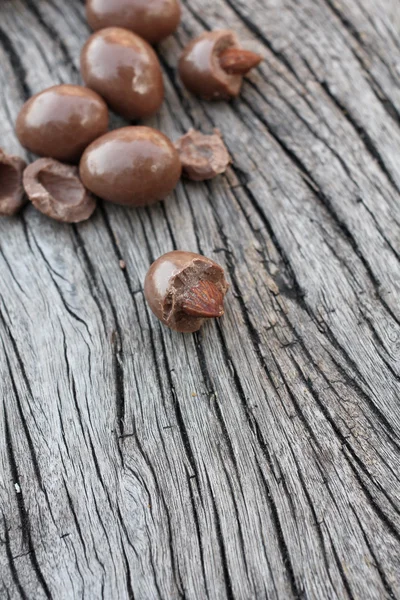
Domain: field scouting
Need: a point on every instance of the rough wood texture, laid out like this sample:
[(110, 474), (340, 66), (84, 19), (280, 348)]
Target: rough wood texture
[(260, 458)]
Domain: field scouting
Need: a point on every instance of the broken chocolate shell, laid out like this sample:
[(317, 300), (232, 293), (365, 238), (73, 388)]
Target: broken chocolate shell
[(202, 156), (55, 190), (12, 195)]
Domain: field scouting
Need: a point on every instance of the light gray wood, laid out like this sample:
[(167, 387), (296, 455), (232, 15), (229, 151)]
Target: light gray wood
[(260, 457)]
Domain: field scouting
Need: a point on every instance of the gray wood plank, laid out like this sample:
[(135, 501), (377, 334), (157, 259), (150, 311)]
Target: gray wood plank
[(258, 458)]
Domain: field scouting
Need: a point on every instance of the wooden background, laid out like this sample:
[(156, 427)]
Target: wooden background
[(259, 458)]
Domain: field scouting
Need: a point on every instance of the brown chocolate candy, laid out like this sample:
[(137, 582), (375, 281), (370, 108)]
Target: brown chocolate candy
[(125, 71), (213, 65), (202, 156), (56, 190), (61, 121), (135, 166), (184, 289), (12, 195), (153, 20)]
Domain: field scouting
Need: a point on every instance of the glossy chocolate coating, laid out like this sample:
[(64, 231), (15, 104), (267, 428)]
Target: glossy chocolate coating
[(62, 121), (125, 71), (202, 156), (56, 190), (12, 195), (153, 20), (135, 166), (169, 282), (200, 70)]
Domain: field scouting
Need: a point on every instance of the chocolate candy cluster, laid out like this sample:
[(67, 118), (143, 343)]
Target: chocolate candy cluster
[(67, 125)]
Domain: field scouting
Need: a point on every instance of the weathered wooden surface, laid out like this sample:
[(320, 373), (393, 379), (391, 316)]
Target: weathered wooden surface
[(259, 459)]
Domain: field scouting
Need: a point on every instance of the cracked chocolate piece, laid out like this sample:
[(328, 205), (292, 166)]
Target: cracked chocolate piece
[(213, 65), (184, 289), (12, 195), (202, 156), (56, 190)]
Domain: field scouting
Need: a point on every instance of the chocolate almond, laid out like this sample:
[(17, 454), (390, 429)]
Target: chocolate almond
[(153, 20), (134, 166), (185, 289), (213, 65), (62, 121), (125, 71)]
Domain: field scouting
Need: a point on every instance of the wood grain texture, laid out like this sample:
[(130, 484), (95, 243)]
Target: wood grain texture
[(260, 457)]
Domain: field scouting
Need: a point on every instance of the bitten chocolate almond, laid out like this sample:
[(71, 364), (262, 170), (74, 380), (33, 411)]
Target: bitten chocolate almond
[(56, 190), (153, 20), (213, 65), (202, 156), (61, 121), (12, 195), (185, 289)]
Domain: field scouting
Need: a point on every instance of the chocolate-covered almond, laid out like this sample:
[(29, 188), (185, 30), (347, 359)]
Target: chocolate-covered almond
[(125, 71), (12, 195), (153, 20), (202, 156), (184, 289), (56, 190), (61, 121), (212, 66), (135, 166)]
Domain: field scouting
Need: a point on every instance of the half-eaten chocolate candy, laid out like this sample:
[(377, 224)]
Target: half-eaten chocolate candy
[(56, 190), (202, 156), (12, 195), (185, 289), (213, 65)]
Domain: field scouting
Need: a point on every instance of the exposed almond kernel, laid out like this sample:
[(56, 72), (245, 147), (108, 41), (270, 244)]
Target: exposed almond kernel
[(204, 300), (185, 289), (237, 61)]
